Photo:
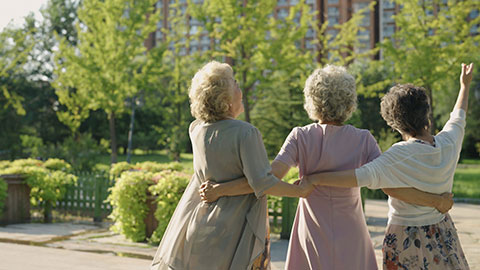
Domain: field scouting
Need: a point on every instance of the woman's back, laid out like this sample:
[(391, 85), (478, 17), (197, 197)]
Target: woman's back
[(216, 235), (329, 230)]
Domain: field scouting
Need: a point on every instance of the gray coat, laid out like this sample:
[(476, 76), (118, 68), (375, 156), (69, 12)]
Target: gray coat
[(229, 233)]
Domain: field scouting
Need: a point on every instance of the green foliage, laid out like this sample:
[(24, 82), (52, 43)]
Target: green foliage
[(55, 164), (47, 186), (428, 47), (466, 184), (386, 138), (15, 46), (133, 184), (109, 63), (4, 164), (118, 168), (251, 38), (82, 152), (128, 198), (48, 181), (33, 144), (168, 190), (3, 195)]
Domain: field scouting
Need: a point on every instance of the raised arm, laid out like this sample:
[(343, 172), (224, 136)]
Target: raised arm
[(465, 80), (443, 203), (210, 191)]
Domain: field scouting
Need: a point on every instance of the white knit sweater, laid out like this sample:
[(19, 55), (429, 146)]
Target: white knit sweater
[(422, 166)]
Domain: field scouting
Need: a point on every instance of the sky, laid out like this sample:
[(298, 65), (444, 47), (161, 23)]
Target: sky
[(17, 9)]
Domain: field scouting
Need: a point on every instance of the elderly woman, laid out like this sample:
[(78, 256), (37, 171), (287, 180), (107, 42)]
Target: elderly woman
[(416, 237), (329, 231), (230, 233)]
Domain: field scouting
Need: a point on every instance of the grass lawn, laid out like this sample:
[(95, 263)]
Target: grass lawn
[(467, 182)]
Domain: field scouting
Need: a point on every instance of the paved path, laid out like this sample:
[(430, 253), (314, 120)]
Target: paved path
[(61, 246), (25, 257)]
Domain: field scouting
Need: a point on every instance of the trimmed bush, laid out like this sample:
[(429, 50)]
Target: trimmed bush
[(133, 184), (48, 180), (129, 200), (169, 189)]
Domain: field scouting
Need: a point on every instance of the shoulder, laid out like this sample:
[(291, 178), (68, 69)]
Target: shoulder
[(400, 151), (304, 130), (359, 131), (244, 129), (194, 124)]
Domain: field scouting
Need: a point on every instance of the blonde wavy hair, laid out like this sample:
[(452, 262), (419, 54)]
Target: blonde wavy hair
[(330, 94), (211, 92)]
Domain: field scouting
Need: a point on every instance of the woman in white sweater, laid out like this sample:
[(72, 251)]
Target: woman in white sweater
[(417, 237)]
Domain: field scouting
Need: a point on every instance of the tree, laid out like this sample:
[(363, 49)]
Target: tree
[(280, 102), (179, 69), (109, 62), (241, 29), (431, 40), (15, 46)]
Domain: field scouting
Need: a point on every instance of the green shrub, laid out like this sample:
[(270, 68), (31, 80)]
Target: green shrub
[(56, 164), (48, 181), (28, 162), (4, 164), (128, 198), (47, 186), (168, 190), (133, 184), (3, 195), (149, 166), (118, 168)]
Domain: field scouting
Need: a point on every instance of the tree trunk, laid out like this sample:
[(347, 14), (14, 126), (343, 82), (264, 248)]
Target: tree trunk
[(113, 138), (246, 105)]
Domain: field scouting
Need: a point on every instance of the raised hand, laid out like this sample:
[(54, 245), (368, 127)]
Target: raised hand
[(466, 75)]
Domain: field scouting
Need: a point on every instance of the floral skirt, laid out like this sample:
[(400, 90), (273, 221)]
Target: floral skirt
[(433, 246), (263, 261)]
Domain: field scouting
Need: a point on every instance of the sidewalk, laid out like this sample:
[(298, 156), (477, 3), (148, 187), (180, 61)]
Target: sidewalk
[(86, 246)]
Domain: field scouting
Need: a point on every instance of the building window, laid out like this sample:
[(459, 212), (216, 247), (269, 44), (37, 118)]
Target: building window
[(282, 3), (333, 16), (366, 19), (388, 4), (473, 14), (388, 30), (388, 16), (310, 33), (159, 4), (474, 29), (282, 13), (332, 2)]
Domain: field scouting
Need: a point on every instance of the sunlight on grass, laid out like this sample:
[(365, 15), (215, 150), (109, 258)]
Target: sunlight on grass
[(467, 183)]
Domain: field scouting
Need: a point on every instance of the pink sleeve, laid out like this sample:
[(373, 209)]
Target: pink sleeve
[(288, 154), (372, 149)]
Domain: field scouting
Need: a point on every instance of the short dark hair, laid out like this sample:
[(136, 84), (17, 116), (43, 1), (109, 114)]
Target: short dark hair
[(406, 108)]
